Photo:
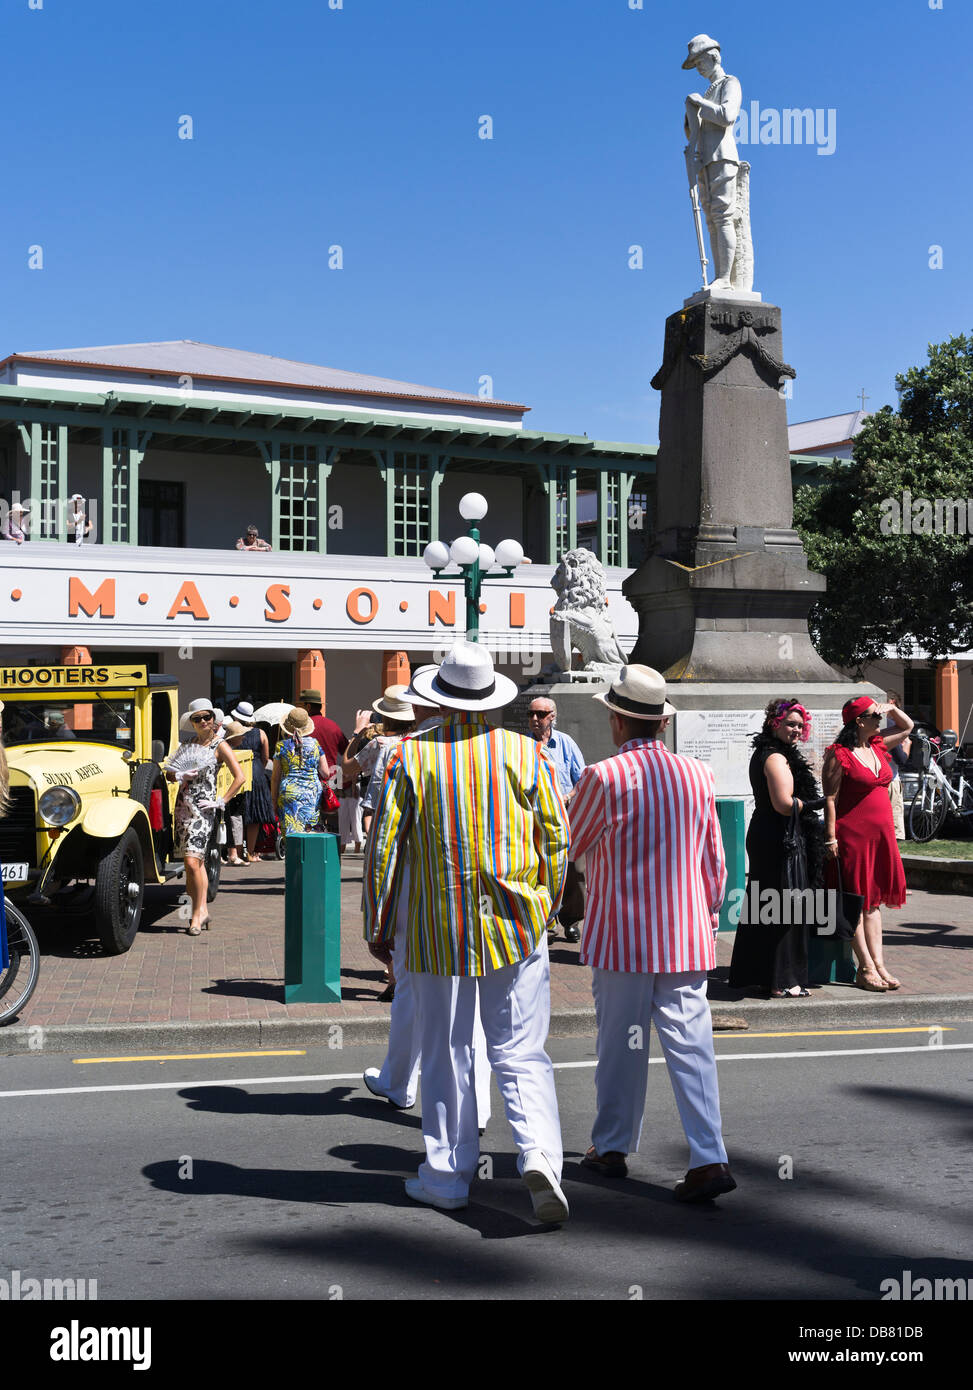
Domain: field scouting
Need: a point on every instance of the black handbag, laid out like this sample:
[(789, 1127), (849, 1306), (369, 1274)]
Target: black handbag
[(794, 869), (847, 911)]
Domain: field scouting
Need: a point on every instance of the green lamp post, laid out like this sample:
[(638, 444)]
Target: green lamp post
[(473, 558)]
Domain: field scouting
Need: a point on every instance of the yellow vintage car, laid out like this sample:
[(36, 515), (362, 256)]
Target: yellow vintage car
[(89, 799)]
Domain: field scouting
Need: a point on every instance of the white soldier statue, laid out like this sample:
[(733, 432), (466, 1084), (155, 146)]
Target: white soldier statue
[(715, 170)]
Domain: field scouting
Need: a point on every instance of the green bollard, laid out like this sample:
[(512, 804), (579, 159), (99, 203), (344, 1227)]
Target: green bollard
[(312, 920), (829, 961), (729, 809)]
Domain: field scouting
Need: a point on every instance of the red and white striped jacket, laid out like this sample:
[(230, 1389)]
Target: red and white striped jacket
[(646, 819)]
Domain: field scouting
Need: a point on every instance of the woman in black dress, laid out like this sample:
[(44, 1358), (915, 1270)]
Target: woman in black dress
[(258, 808), (774, 956)]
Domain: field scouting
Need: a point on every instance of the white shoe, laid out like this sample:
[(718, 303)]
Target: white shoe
[(418, 1193), (550, 1203), (370, 1077)]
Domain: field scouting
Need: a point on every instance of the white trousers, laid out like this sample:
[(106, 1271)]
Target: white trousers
[(515, 1008), (626, 1002), (349, 821), (400, 1071)]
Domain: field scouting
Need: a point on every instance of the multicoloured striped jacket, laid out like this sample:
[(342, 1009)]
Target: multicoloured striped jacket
[(477, 815)]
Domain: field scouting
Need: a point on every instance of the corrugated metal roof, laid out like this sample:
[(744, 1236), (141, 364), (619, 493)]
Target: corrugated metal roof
[(829, 430), (186, 357)]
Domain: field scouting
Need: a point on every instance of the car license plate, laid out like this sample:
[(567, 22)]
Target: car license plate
[(14, 873)]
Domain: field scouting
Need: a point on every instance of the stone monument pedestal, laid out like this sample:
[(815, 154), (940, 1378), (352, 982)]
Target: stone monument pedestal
[(578, 715), (726, 594)]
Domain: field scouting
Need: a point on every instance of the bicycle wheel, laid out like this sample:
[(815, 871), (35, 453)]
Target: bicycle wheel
[(18, 980), (928, 810)]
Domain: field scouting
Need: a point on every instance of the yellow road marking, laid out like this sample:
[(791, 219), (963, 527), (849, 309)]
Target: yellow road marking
[(190, 1056), (830, 1032)]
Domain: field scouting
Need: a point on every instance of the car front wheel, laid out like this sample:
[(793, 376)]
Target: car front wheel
[(119, 894)]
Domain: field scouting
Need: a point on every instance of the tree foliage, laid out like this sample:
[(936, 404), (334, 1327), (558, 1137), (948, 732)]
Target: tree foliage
[(899, 568)]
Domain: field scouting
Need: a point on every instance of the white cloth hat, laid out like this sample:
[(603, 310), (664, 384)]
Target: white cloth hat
[(638, 693), (466, 680), (195, 707), (413, 696), (243, 714)]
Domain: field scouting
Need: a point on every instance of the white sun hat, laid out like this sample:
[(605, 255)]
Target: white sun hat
[(243, 714), (412, 695), (466, 680), (638, 693), (197, 707)]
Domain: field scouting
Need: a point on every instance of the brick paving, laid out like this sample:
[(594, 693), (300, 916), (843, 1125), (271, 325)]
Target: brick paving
[(235, 971)]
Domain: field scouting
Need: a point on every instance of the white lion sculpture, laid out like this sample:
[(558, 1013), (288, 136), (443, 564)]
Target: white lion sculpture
[(580, 617)]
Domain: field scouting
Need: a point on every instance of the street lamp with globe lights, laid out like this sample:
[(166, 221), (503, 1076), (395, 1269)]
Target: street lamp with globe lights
[(473, 558)]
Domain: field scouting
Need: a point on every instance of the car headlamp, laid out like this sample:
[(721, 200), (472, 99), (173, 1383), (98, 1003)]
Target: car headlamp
[(59, 805)]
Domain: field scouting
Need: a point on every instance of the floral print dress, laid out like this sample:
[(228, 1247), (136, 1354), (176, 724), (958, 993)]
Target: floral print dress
[(193, 825), (299, 792)]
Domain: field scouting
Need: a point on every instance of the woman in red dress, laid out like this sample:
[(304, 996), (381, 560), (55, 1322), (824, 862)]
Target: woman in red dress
[(858, 826)]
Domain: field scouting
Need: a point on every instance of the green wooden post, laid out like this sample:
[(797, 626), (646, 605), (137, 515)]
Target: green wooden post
[(107, 484), (273, 462), (312, 920), (625, 484), (437, 467), (603, 500), (325, 464), (729, 809), (386, 467)]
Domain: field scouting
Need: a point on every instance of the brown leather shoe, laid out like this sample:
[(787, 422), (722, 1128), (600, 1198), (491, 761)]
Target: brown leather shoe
[(609, 1165), (702, 1184)]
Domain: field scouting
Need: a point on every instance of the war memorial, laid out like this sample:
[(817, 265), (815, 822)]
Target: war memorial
[(722, 601)]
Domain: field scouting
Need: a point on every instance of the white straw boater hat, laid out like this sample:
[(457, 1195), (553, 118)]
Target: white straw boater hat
[(638, 693), (243, 714), (466, 680), (412, 695), (393, 706), (196, 707)]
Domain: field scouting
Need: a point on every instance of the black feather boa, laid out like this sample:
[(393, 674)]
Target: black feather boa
[(805, 789)]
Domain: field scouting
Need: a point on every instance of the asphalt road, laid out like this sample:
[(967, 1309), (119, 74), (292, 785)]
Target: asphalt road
[(262, 1176)]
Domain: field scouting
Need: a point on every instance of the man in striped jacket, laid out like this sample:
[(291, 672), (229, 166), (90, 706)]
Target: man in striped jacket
[(476, 814), (646, 819)]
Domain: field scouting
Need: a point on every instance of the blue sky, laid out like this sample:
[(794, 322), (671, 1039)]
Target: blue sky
[(465, 257)]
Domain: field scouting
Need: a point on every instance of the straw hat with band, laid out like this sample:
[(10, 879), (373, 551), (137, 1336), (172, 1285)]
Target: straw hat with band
[(297, 724), (466, 680), (639, 693), (313, 697), (232, 729), (393, 707)]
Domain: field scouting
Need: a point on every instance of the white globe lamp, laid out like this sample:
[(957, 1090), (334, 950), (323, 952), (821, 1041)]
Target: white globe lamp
[(487, 558), (464, 551), (436, 555), (509, 554), (473, 506)]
